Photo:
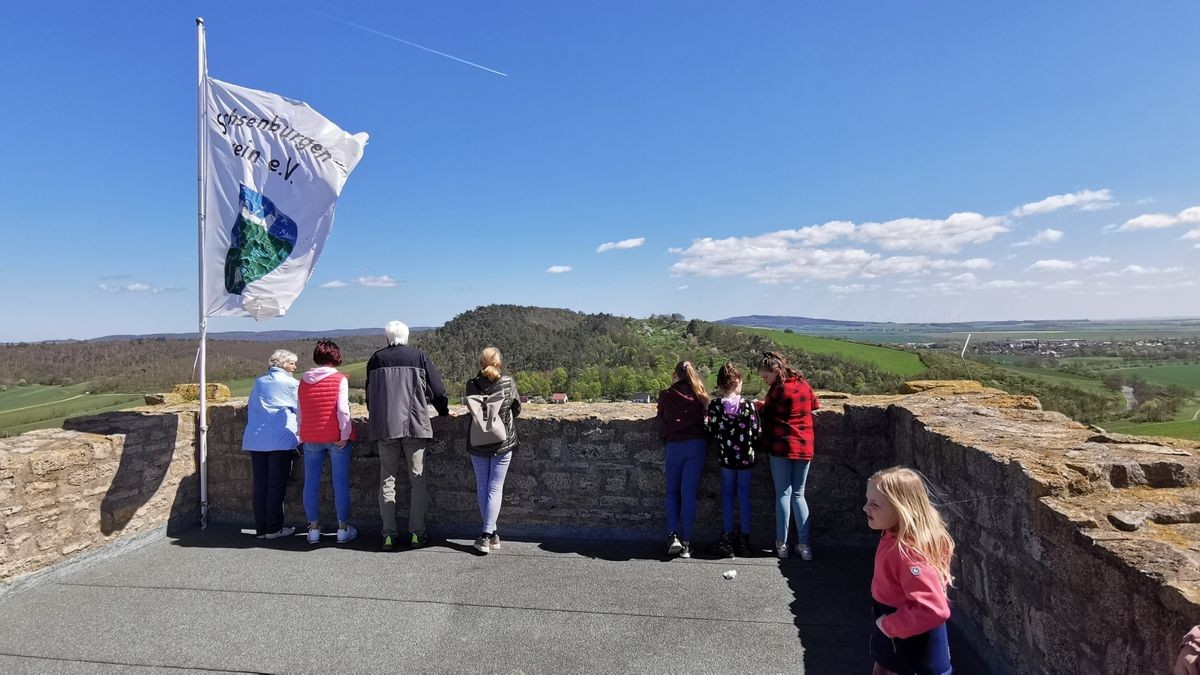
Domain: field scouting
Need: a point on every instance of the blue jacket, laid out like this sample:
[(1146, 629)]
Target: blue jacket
[(271, 413)]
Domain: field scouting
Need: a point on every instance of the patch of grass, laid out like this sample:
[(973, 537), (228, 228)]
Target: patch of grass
[(1188, 429), (1184, 375), (1090, 384), (903, 363), (42, 407), (355, 371)]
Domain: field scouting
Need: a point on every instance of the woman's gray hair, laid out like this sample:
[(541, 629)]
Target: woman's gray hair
[(282, 357)]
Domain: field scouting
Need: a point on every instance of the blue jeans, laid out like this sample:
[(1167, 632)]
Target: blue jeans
[(314, 464), (489, 487), (739, 480), (789, 476), (684, 463)]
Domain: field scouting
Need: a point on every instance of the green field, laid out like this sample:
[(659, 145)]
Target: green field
[(1088, 384), (242, 387), (903, 363), (41, 406), (1184, 375), (1189, 429)]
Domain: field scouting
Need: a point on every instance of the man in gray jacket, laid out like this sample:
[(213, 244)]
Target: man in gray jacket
[(401, 385)]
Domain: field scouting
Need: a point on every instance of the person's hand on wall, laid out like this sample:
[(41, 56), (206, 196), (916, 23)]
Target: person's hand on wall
[(1188, 661)]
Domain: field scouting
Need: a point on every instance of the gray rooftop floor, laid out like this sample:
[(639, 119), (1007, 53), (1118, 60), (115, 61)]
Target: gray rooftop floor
[(222, 601)]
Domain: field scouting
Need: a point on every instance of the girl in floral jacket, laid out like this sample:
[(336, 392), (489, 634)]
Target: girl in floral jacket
[(733, 424)]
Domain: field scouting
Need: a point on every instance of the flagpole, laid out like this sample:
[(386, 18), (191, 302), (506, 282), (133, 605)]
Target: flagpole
[(201, 170)]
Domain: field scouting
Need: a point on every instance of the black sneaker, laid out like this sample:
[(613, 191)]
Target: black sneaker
[(417, 540), (741, 545), (725, 546), (389, 542)]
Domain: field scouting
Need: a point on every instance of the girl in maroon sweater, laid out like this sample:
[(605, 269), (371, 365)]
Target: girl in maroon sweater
[(681, 425)]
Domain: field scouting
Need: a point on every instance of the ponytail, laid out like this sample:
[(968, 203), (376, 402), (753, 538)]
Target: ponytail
[(687, 373), (489, 363)]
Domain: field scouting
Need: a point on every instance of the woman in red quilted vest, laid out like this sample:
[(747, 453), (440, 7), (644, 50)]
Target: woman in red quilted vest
[(325, 431)]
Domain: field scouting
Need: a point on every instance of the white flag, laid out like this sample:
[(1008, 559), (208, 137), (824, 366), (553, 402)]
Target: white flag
[(275, 170)]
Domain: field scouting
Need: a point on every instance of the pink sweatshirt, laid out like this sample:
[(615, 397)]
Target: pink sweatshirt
[(909, 583)]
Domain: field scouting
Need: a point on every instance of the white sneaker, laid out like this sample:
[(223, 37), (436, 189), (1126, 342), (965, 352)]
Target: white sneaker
[(674, 547), (804, 551), (781, 550), (347, 534), (314, 536), (283, 532)]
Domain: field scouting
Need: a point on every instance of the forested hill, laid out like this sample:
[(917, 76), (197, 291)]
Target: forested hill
[(588, 356), (600, 355)]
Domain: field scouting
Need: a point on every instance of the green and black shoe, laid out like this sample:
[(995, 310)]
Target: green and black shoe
[(389, 542)]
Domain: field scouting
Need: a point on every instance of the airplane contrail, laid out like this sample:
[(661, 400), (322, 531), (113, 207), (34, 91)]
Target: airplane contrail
[(410, 44)]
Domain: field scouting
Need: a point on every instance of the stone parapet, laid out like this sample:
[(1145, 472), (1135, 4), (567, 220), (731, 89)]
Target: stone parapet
[(64, 493), (1078, 551)]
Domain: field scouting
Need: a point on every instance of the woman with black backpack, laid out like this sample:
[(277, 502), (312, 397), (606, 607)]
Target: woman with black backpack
[(494, 404)]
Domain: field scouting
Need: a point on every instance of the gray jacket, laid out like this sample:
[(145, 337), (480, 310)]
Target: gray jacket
[(480, 384), (401, 385)]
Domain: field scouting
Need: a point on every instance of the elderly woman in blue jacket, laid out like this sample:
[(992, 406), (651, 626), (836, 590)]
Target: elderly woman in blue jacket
[(271, 440)]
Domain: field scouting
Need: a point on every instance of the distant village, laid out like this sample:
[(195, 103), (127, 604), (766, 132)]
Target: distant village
[(1170, 347)]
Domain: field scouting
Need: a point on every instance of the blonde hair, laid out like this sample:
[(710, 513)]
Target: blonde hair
[(921, 529), (687, 373), (489, 363)]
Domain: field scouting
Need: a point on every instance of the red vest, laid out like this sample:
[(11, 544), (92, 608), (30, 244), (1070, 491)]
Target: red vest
[(318, 410)]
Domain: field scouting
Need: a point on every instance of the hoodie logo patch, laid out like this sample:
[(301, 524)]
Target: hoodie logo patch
[(916, 571)]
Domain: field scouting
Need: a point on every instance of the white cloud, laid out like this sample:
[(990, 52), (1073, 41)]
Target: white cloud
[(375, 282), (1055, 264), (1154, 221), (949, 235), (1139, 270), (136, 287), (1045, 237), (558, 269), (1145, 200), (621, 245), (1193, 235), (383, 281), (1005, 284), (1187, 283), (681, 288), (853, 288), (782, 257), (1084, 200), (1069, 284)]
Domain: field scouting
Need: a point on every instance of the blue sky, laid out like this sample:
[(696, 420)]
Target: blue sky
[(772, 158)]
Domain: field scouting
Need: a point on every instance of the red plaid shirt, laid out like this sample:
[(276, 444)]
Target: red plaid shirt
[(787, 423)]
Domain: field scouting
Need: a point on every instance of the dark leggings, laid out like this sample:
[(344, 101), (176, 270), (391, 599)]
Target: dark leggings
[(271, 471), (924, 654)]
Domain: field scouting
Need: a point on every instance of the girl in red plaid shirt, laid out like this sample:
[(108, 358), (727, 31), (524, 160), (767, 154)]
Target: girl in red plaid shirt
[(787, 439)]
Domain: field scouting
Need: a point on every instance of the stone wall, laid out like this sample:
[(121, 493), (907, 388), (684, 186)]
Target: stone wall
[(1078, 551), (584, 470), (64, 493)]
